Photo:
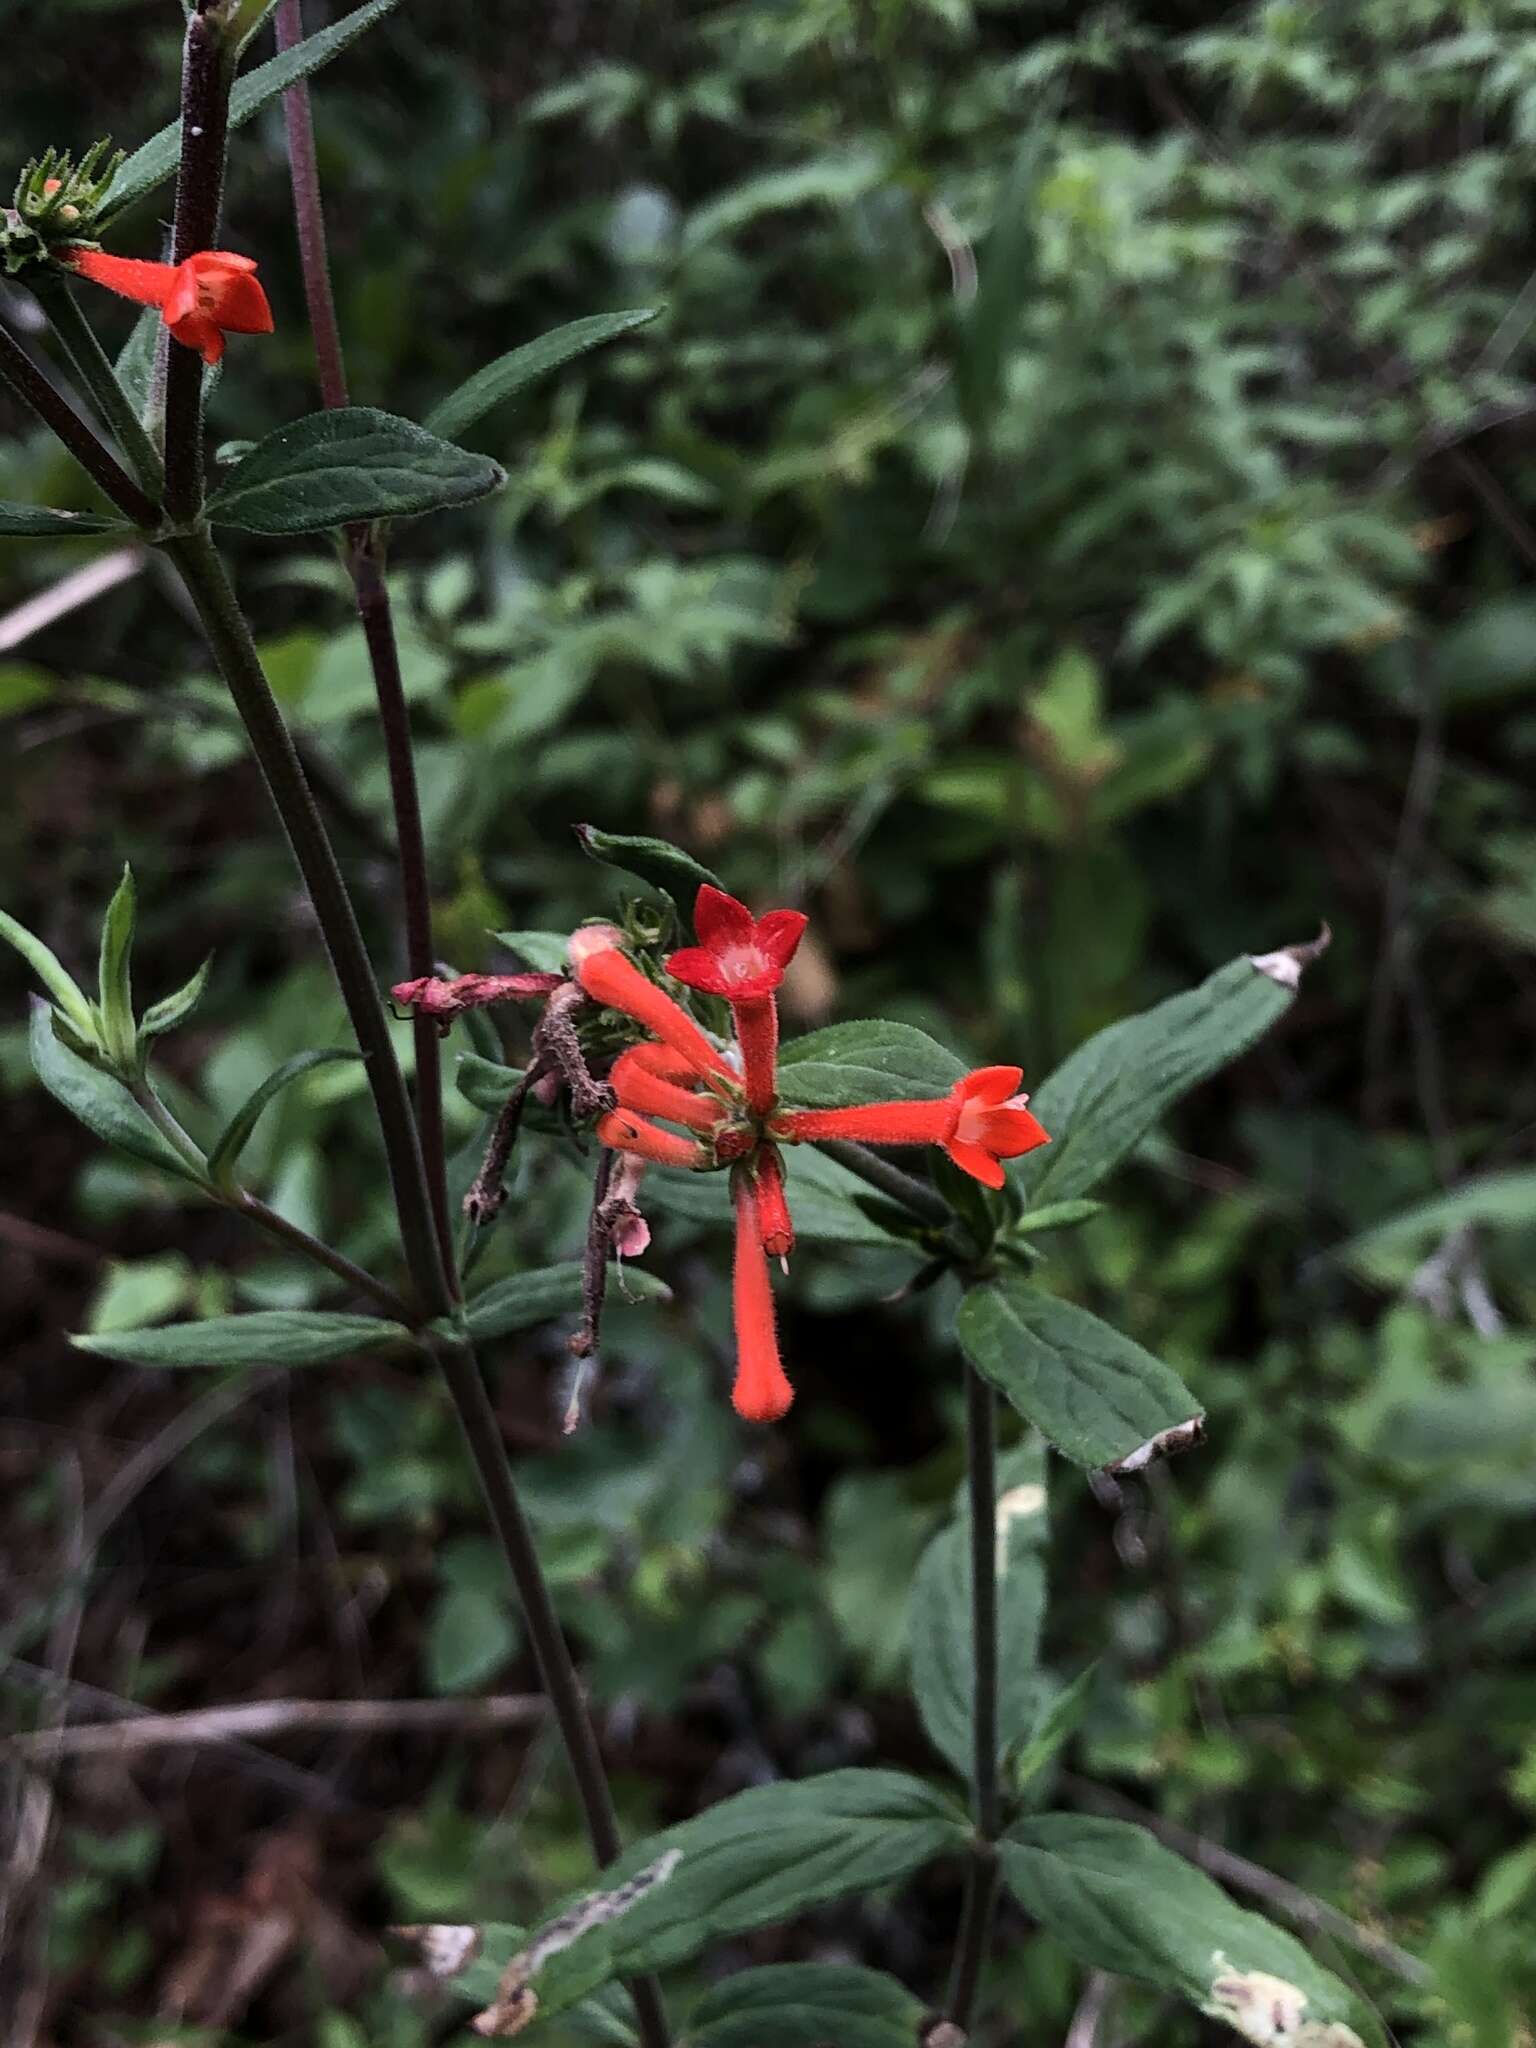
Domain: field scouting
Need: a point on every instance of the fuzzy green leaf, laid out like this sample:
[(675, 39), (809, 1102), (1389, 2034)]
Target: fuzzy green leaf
[(523, 1300), (235, 1135), (102, 1104), (1099, 1397), (454, 415), (806, 2005), (42, 522), (266, 1337), (666, 867), (874, 1061), (114, 988), (330, 468), (175, 1009), (52, 973), (1120, 1901)]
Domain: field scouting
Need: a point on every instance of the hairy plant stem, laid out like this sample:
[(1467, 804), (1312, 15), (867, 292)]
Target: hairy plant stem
[(483, 1435), (95, 370), (923, 1201), (981, 1877), (203, 572), (365, 565), (27, 381), (207, 74)]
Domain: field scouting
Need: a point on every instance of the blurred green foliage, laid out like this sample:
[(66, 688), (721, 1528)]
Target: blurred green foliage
[(1071, 523)]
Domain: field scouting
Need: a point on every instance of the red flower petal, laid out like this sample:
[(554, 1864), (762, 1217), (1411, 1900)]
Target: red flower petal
[(989, 1085), (779, 932), (975, 1161), (696, 968), (720, 920)]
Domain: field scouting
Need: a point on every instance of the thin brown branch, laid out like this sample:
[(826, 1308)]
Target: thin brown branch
[(267, 1720)]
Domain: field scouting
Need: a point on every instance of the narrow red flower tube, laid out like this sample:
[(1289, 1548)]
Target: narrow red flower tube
[(981, 1122), (625, 1132), (773, 1218), (761, 1393), (639, 1087), (609, 977)]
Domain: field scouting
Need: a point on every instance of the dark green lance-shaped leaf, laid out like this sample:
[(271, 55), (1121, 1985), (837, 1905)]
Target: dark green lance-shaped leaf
[(1119, 1901), (521, 367), (1100, 1399), (1053, 1730), (806, 2005), (42, 522), (677, 874), (1056, 1216), (155, 161), (525, 1299), (1103, 1100), (942, 1632), (754, 1860), (175, 1009), (354, 463), (847, 1064), (52, 973), (114, 988), (1005, 277), (234, 1137), (102, 1104), (277, 1336), (135, 365)]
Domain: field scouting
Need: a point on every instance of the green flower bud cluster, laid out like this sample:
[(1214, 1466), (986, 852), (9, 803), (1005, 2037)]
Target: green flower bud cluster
[(55, 200)]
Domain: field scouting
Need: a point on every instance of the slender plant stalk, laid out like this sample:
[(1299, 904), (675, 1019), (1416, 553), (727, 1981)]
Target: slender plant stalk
[(27, 381), (229, 636), (483, 1435), (981, 1877), (923, 1201), (207, 73), (365, 564), (97, 374)]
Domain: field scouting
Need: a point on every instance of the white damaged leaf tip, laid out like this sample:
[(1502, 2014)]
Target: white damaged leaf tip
[(445, 1951), (1019, 1503), (1285, 966), (515, 2004), (1270, 2012), (1166, 1444)]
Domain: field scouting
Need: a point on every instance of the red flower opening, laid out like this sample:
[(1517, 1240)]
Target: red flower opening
[(738, 956), (211, 294)]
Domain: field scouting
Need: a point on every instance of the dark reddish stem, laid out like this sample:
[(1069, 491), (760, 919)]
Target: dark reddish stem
[(365, 563), (207, 73), (18, 370)]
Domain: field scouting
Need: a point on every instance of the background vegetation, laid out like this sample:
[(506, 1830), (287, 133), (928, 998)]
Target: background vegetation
[(1072, 522)]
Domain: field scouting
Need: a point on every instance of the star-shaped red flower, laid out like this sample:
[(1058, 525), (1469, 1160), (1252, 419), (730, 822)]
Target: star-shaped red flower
[(739, 956)]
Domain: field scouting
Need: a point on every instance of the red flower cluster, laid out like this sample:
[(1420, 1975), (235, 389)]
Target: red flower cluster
[(728, 1104), (212, 294)]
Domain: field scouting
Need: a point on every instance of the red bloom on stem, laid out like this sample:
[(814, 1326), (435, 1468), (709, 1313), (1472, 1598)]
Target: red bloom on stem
[(211, 294), (626, 1132), (761, 1393), (738, 956), (773, 1218), (638, 1085), (743, 958), (982, 1121), (611, 978)]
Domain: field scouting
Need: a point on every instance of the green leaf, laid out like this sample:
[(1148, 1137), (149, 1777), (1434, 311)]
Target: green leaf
[(354, 463), (754, 1860), (1103, 1100), (1056, 1216), (485, 1083), (102, 1104), (234, 1137), (942, 1632), (846, 1064), (1119, 1901), (175, 1009), (454, 415), (677, 874), (155, 161), (542, 951), (277, 1336), (469, 1638), (525, 1299), (1055, 1729), (1006, 278), (51, 972), (1099, 1398), (42, 522), (114, 988), (135, 366), (1389, 1251), (806, 2005)]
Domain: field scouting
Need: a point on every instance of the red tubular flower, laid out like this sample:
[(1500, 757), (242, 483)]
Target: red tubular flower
[(743, 959), (609, 977), (761, 1392), (211, 294), (979, 1123), (773, 1218), (626, 1132), (638, 1086)]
